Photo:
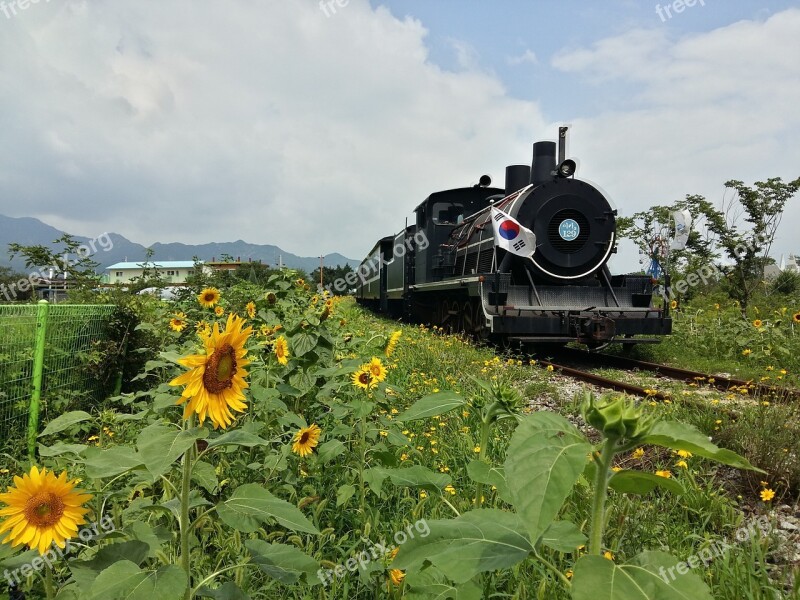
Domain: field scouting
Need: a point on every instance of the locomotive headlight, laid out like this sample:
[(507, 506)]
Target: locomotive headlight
[(566, 168)]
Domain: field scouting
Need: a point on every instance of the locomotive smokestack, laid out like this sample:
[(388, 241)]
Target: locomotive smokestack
[(517, 177), (544, 162)]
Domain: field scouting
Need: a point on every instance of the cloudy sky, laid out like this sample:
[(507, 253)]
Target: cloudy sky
[(319, 127)]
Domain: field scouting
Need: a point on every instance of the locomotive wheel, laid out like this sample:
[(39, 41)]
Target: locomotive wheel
[(467, 322), (445, 318)]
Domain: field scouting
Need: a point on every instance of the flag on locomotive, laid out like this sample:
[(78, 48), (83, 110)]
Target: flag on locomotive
[(511, 236)]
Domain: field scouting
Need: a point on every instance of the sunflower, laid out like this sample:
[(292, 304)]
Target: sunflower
[(796, 317), (178, 322), (42, 509), (392, 343), (271, 297), (376, 369), (251, 309), (208, 297), (305, 440), (282, 350), (215, 384), (673, 305), (203, 330), (396, 576), (757, 323), (219, 311), (363, 378)]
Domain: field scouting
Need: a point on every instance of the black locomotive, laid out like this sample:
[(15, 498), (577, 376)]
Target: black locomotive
[(447, 270)]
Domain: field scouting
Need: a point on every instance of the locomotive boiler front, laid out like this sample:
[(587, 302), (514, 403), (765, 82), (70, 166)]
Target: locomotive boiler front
[(574, 223)]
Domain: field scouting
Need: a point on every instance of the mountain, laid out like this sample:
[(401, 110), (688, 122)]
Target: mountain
[(115, 248)]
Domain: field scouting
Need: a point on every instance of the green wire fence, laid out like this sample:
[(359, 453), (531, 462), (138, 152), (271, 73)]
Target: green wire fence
[(46, 353)]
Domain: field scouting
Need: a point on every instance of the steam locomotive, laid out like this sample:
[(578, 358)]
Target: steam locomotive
[(447, 269)]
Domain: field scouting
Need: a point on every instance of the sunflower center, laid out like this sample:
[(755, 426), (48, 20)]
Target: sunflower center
[(44, 509), (220, 369), (364, 378), (304, 437)]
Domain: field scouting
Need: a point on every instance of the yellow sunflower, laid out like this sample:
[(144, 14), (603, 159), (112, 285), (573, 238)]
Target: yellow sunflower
[(208, 297), (203, 330), (796, 317), (178, 322), (363, 378), (251, 309), (305, 440), (219, 311), (392, 343), (396, 576), (282, 350), (757, 323), (42, 509), (376, 369), (215, 383), (673, 305)]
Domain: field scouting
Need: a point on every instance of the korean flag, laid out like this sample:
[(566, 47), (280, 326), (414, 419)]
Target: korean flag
[(511, 236)]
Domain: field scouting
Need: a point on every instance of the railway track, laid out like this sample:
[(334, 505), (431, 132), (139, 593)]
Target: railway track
[(619, 362)]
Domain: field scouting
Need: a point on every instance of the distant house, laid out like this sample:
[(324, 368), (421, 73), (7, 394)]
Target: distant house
[(171, 271), (792, 265)]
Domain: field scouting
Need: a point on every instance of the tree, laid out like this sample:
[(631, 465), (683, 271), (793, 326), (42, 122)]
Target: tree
[(744, 229), (150, 277), (331, 274), (73, 261)]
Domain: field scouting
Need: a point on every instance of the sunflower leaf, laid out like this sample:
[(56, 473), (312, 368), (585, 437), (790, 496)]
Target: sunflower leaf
[(65, 421), (160, 446), (432, 405), (251, 505)]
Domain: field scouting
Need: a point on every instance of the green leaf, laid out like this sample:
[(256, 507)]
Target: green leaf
[(432, 405), (477, 541), (483, 472), (431, 584), (681, 436), (238, 437), (65, 421), (108, 463), (545, 458), (251, 505), (417, 476), (330, 450), (344, 493), (85, 572), (303, 343), (646, 577), (563, 536), (60, 448), (639, 482), (125, 580), (227, 591), (285, 563), (205, 475), (160, 446)]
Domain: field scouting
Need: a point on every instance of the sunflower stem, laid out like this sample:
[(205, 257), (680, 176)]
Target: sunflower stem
[(185, 526), (602, 465), (485, 428), (363, 452), (48, 584)]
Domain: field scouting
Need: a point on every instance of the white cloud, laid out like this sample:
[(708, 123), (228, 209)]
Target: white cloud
[(526, 57), (700, 110), (210, 121)]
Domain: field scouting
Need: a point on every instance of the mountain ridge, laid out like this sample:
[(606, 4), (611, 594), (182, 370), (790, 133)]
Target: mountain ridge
[(116, 248)]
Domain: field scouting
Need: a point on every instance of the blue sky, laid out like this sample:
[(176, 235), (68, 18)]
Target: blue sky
[(196, 121)]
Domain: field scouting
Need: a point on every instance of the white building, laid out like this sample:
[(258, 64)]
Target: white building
[(171, 271)]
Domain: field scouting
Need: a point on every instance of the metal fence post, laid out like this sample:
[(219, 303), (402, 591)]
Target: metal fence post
[(38, 368)]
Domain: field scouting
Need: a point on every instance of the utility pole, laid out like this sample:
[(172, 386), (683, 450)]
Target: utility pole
[(320, 271)]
